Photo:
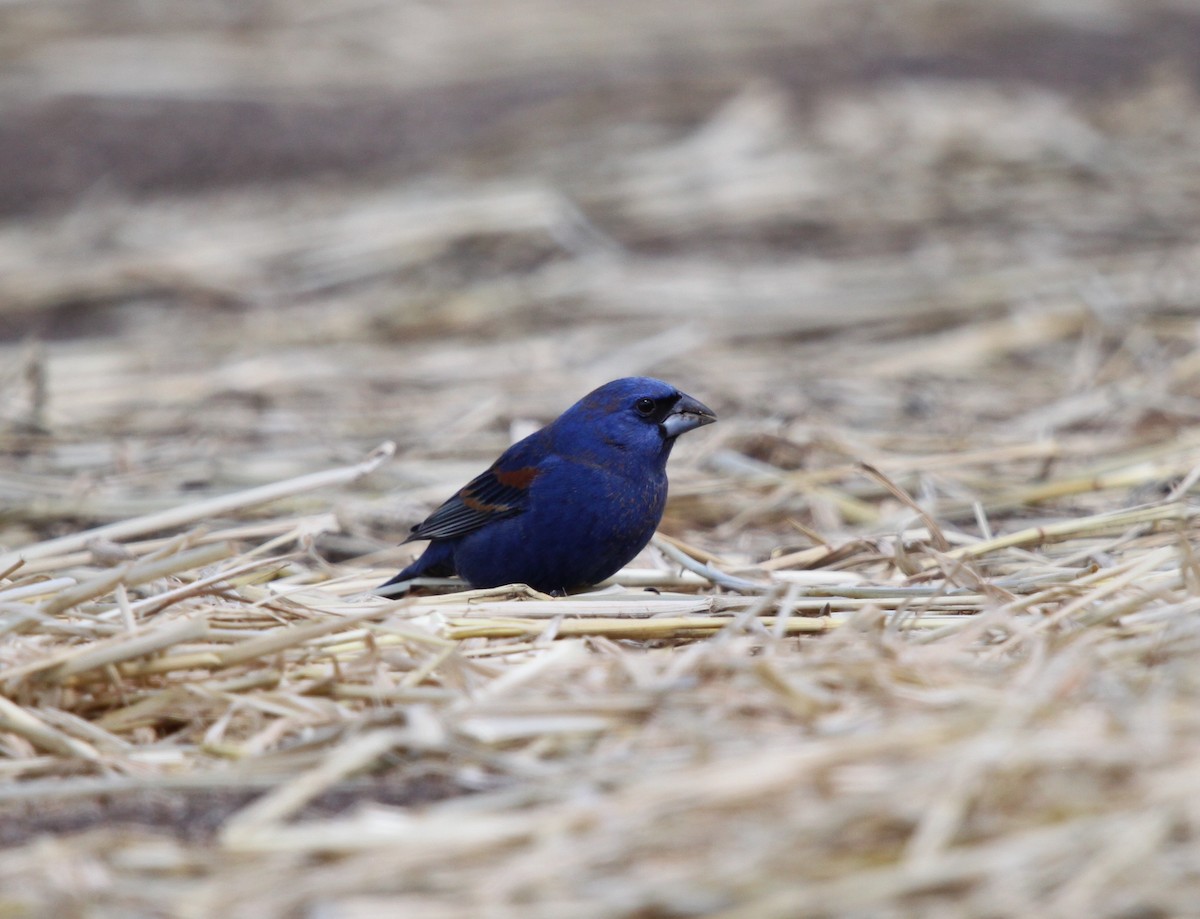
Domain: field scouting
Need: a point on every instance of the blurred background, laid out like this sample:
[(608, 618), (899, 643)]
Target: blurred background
[(244, 240)]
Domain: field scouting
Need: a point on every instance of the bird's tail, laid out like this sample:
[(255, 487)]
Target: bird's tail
[(437, 561)]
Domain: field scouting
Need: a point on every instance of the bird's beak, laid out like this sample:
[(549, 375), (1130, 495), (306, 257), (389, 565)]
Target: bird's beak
[(688, 413)]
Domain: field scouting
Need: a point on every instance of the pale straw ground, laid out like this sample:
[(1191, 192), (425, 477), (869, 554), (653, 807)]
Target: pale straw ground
[(919, 636)]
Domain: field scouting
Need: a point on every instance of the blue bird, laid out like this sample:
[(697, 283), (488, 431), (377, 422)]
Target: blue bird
[(570, 504)]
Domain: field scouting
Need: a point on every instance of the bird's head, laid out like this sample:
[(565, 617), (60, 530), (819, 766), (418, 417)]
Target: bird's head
[(634, 416)]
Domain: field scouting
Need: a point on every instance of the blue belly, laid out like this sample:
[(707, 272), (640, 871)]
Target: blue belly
[(580, 529)]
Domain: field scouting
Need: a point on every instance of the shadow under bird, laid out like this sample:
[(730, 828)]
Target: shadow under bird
[(570, 504)]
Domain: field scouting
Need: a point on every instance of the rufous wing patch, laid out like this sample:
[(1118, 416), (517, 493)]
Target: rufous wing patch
[(516, 478), (476, 505)]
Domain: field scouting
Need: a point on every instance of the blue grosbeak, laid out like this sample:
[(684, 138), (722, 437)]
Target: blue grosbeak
[(570, 504)]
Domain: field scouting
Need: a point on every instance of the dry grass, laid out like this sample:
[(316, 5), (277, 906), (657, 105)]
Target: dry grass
[(920, 634)]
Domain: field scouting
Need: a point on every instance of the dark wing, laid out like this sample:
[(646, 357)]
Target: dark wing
[(494, 494)]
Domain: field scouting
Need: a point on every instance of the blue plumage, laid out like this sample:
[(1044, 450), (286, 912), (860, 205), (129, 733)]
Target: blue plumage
[(570, 504)]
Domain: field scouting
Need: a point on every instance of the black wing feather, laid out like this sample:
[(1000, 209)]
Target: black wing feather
[(483, 499)]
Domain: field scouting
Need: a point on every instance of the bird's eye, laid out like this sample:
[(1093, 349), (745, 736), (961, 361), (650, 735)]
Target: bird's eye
[(644, 406)]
